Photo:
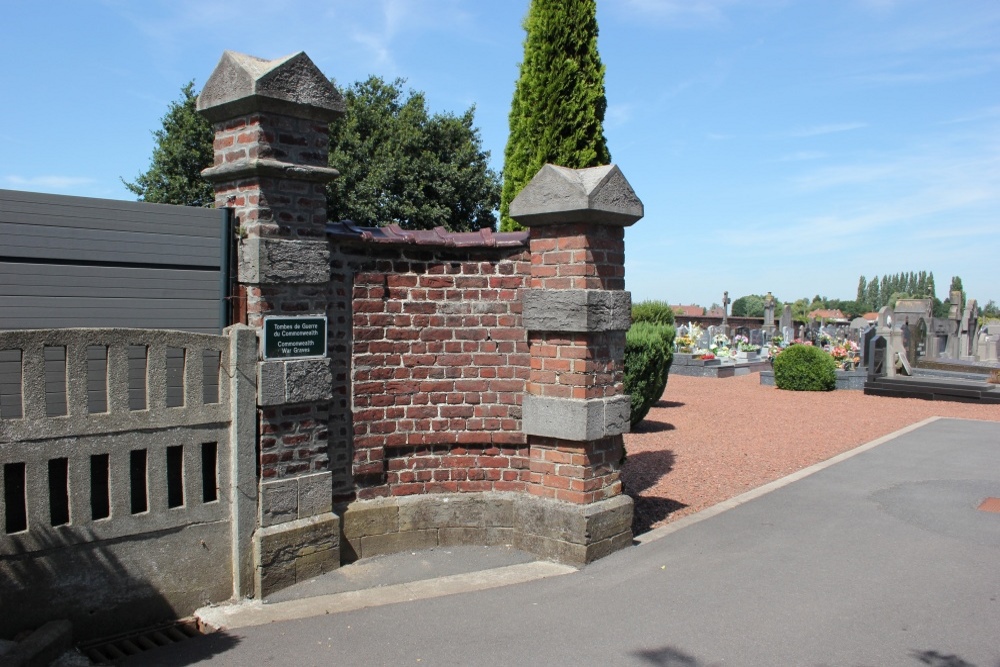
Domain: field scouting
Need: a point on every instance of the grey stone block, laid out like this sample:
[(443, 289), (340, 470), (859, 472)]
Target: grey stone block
[(283, 261), (576, 310), (294, 381), (575, 419), (370, 517), (455, 511), (598, 195), (547, 547), (315, 494), (308, 380), (295, 550), (574, 534), (448, 537), (279, 501)]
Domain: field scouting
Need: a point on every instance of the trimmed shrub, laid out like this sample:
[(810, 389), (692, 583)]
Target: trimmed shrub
[(648, 355), (657, 312), (805, 368)]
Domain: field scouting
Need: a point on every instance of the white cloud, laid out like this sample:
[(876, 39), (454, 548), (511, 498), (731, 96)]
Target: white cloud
[(50, 182)]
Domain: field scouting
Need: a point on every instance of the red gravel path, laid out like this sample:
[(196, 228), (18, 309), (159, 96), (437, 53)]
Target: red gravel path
[(710, 439)]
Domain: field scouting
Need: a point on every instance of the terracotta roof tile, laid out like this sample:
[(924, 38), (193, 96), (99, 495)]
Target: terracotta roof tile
[(438, 237)]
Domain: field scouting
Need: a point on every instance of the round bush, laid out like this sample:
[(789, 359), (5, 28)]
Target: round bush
[(805, 368), (647, 361), (656, 312)]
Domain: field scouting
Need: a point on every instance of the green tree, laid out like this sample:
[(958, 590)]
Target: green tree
[(751, 305), (400, 164), (557, 112), (956, 286), (874, 299), (862, 297), (183, 148)]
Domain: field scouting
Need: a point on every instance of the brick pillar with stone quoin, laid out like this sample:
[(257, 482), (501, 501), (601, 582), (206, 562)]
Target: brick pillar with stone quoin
[(271, 150), (576, 312)]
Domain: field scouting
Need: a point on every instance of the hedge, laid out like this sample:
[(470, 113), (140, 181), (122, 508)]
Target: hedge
[(805, 368)]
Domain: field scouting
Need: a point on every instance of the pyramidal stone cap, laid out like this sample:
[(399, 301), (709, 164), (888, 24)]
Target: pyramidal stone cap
[(558, 195), (293, 86)]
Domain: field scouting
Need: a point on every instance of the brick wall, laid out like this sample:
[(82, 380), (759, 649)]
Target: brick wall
[(439, 364)]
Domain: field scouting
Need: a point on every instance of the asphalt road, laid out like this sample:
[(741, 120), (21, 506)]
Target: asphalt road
[(881, 559)]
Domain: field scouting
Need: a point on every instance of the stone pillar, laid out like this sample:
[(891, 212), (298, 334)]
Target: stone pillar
[(271, 166), (576, 313)]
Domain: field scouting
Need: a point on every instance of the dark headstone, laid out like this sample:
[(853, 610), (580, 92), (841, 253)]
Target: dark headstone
[(878, 353), (866, 339)]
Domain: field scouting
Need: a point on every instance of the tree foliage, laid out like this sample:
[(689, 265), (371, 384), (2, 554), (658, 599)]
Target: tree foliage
[(400, 164), (557, 112), (183, 148), (875, 293), (751, 305), (657, 312), (648, 356)]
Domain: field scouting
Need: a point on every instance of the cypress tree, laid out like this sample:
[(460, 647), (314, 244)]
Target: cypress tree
[(873, 293), (557, 112)]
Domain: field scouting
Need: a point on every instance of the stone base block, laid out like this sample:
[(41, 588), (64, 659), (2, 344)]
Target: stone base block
[(294, 551), (569, 533)]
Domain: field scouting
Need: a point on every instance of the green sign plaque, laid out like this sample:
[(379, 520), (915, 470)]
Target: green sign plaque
[(294, 337)]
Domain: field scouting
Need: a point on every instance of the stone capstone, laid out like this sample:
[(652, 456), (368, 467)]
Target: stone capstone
[(283, 261), (576, 310), (293, 85), (558, 195), (576, 419)]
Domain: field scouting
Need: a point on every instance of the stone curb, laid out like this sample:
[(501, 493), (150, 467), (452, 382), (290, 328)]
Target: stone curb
[(248, 614)]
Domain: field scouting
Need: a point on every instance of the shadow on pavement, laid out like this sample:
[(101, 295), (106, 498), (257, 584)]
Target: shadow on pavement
[(190, 652), (668, 657)]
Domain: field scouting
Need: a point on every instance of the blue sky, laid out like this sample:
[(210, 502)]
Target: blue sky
[(782, 145)]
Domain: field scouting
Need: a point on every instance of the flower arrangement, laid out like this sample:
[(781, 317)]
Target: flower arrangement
[(684, 343), (707, 356)]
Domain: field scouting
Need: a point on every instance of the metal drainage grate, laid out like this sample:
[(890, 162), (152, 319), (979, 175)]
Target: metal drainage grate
[(112, 650), (990, 505)]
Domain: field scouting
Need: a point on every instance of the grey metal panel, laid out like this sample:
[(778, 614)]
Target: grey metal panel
[(81, 262), (36, 280)]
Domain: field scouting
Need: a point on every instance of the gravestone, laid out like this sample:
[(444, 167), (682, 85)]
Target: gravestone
[(867, 336), (878, 351), (725, 313), (788, 333), (786, 317), (967, 331), (756, 337), (769, 314)]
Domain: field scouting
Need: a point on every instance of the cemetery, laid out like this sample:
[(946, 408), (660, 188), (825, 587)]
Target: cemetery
[(905, 352), (383, 390)]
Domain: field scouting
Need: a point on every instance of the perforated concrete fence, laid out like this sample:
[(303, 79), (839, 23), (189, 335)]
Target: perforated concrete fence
[(117, 451)]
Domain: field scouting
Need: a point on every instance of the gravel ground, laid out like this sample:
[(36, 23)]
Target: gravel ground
[(710, 439)]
